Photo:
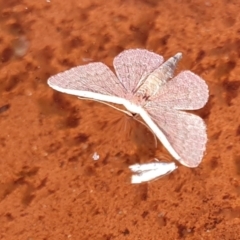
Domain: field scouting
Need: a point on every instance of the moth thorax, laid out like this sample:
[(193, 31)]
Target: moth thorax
[(134, 106), (150, 86)]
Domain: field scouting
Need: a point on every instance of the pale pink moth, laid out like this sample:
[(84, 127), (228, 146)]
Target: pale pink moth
[(145, 85)]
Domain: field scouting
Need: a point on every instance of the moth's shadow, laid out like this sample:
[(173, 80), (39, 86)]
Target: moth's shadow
[(133, 129)]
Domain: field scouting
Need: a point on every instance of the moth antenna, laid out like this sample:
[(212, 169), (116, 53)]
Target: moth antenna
[(108, 104)]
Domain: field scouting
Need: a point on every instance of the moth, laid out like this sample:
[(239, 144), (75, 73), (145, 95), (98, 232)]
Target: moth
[(145, 85)]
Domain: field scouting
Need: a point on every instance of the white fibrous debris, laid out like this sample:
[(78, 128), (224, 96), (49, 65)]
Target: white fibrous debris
[(21, 46), (149, 171), (95, 156)]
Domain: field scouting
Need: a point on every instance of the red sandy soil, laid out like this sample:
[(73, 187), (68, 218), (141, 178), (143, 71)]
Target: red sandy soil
[(50, 187)]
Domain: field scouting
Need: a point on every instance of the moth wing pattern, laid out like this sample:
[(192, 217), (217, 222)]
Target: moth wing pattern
[(133, 66), (186, 133), (93, 77), (186, 91)]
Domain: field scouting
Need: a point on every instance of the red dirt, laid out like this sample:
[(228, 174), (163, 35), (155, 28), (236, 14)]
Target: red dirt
[(50, 187)]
